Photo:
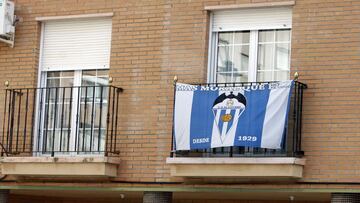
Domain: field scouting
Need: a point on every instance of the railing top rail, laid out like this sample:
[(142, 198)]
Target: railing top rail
[(84, 86), (303, 85)]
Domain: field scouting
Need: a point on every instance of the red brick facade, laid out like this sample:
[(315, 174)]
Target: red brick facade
[(152, 41)]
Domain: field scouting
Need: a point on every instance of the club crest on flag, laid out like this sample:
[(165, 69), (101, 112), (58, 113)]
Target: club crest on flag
[(227, 109)]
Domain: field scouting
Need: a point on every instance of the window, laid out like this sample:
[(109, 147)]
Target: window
[(247, 50), (73, 86), (62, 127)]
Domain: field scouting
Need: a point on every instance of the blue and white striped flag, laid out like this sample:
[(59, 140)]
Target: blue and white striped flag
[(210, 117)]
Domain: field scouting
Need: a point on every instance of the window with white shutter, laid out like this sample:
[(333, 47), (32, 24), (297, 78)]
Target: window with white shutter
[(76, 44), (248, 45)]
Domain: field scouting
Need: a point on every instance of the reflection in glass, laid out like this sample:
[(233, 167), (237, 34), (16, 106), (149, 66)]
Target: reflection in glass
[(233, 56), (282, 59), (240, 77), (265, 56), (273, 55), (241, 58), (93, 108), (242, 37), (224, 59), (266, 36), (225, 38), (223, 77), (283, 36), (62, 102)]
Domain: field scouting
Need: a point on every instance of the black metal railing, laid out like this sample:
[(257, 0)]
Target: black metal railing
[(291, 143), (60, 120)]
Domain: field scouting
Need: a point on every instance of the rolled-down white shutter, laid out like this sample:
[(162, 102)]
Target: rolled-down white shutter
[(252, 19), (76, 44)]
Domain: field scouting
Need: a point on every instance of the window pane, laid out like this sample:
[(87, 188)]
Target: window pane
[(225, 38), (89, 73), (53, 82), (53, 74), (282, 75), (233, 56), (103, 73), (95, 77), (67, 82), (103, 81), (240, 77), (223, 77), (242, 37), (265, 56), (241, 58), (67, 73), (224, 59), (60, 79), (282, 56), (264, 76), (283, 35), (266, 36)]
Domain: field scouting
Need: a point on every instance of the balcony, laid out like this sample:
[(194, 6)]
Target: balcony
[(60, 131), (244, 163)]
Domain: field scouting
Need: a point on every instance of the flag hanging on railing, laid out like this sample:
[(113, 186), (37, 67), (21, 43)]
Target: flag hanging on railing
[(253, 115)]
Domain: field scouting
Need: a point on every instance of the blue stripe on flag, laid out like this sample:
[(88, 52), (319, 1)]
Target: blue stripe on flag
[(250, 124), (202, 119)]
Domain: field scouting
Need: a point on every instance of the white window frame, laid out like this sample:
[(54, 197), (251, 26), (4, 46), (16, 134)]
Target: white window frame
[(41, 82), (253, 51)]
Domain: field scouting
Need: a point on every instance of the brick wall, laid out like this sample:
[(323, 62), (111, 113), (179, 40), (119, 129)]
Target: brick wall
[(154, 40), (32, 199)]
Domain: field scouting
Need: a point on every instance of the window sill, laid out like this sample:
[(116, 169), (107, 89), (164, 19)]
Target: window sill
[(66, 167), (287, 168)]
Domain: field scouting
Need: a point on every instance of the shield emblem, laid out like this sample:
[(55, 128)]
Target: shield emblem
[(227, 109)]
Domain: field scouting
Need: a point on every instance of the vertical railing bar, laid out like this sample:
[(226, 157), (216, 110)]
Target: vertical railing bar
[(300, 117), (18, 121), (9, 120), (25, 119), (33, 120), (46, 118), (13, 104), (172, 152), (84, 126), (295, 119), (100, 117), (40, 119), (77, 127), (62, 117), (69, 123), (112, 120), (54, 124), (116, 116), (108, 123), (4, 121), (92, 120)]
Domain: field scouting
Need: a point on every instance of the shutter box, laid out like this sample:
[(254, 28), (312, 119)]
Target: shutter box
[(252, 19), (76, 44)]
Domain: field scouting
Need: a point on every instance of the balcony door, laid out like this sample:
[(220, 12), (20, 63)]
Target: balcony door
[(73, 111)]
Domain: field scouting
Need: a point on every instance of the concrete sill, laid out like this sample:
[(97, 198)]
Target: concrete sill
[(76, 167), (239, 168)]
